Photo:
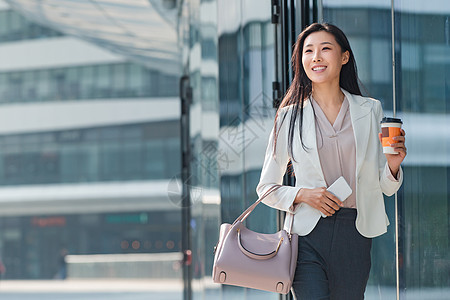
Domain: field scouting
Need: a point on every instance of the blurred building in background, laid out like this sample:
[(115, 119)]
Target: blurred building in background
[(92, 152), (89, 140)]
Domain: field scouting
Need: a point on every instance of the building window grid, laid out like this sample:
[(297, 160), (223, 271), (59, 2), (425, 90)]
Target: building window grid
[(118, 153), (14, 27), (85, 82)]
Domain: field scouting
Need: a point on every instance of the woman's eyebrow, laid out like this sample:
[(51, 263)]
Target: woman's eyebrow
[(323, 43)]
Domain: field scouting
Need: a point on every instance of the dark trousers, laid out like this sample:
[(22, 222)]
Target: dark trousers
[(333, 260)]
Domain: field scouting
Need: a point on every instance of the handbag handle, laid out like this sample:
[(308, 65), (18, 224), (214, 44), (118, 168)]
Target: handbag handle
[(256, 255), (247, 212)]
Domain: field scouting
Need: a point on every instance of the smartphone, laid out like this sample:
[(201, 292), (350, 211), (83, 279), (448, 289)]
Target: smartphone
[(340, 189)]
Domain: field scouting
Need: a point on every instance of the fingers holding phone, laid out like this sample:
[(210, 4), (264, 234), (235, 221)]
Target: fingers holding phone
[(326, 200)]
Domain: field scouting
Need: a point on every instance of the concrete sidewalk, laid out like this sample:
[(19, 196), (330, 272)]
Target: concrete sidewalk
[(163, 289), (104, 289), (91, 285)]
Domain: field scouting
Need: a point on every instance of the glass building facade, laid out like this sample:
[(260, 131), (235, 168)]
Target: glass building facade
[(248, 64), (112, 153), (15, 27), (231, 53), (104, 81), (86, 157)]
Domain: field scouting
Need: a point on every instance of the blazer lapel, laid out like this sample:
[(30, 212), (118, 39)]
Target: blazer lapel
[(359, 108), (309, 136)]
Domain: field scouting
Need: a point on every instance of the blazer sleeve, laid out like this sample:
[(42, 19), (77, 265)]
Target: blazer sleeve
[(274, 168), (388, 186)]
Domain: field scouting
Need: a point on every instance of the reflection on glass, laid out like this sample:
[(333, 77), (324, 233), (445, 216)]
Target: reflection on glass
[(87, 82), (89, 199), (42, 84), (423, 39), (95, 154), (421, 72), (14, 27), (368, 29), (246, 72)]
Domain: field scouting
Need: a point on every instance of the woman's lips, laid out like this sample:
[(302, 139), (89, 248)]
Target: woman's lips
[(319, 68)]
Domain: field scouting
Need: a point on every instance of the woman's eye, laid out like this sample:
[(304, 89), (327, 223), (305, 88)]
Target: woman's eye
[(307, 51), (326, 48)]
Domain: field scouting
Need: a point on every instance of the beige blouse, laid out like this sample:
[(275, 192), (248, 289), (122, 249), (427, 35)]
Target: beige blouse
[(337, 148)]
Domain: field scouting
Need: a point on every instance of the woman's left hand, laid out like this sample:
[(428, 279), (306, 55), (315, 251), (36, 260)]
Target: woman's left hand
[(394, 160)]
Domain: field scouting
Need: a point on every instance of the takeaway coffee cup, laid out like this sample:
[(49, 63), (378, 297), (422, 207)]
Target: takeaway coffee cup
[(390, 127)]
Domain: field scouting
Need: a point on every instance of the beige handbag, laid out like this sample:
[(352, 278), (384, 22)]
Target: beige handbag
[(255, 260)]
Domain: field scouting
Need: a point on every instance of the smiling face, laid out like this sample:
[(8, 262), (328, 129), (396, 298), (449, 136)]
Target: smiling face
[(322, 58)]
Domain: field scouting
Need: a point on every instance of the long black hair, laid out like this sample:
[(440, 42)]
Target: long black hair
[(301, 87)]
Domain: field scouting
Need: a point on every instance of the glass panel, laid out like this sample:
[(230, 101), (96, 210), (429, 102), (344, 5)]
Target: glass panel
[(15, 27), (50, 165), (209, 93), (91, 153), (150, 86), (119, 80), (43, 85), (3, 87), (16, 87), (73, 83), (136, 81), (231, 110), (104, 81), (87, 82), (29, 86), (76, 83), (198, 33), (153, 168), (258, 112), (368, 28), (74, 155), (132, 160), (15, 22), (84, 199), (3, 26), (422, 44), (70, 164), (246, 72), (172, 158)]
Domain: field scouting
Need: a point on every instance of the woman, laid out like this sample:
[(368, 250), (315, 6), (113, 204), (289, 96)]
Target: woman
[(327, 130)]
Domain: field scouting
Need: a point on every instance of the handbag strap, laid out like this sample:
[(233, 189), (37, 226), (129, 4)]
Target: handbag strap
[(247, 212)]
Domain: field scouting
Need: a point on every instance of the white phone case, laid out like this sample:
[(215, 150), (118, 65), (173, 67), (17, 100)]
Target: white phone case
[(340, 189)]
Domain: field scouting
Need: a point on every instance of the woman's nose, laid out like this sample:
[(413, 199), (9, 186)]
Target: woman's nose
[(317, 57)]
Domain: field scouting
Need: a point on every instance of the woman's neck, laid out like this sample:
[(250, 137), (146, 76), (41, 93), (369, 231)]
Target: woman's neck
[(328, 95)]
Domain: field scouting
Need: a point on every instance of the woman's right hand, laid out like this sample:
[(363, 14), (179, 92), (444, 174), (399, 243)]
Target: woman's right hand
[(319, 198)]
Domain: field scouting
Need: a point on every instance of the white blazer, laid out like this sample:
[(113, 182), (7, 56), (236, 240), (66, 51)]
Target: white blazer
[(371, 168)]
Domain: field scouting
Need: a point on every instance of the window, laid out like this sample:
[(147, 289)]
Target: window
[(92, 154)]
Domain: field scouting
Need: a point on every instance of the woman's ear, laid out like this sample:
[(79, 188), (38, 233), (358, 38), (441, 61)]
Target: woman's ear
[(345, 57)]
